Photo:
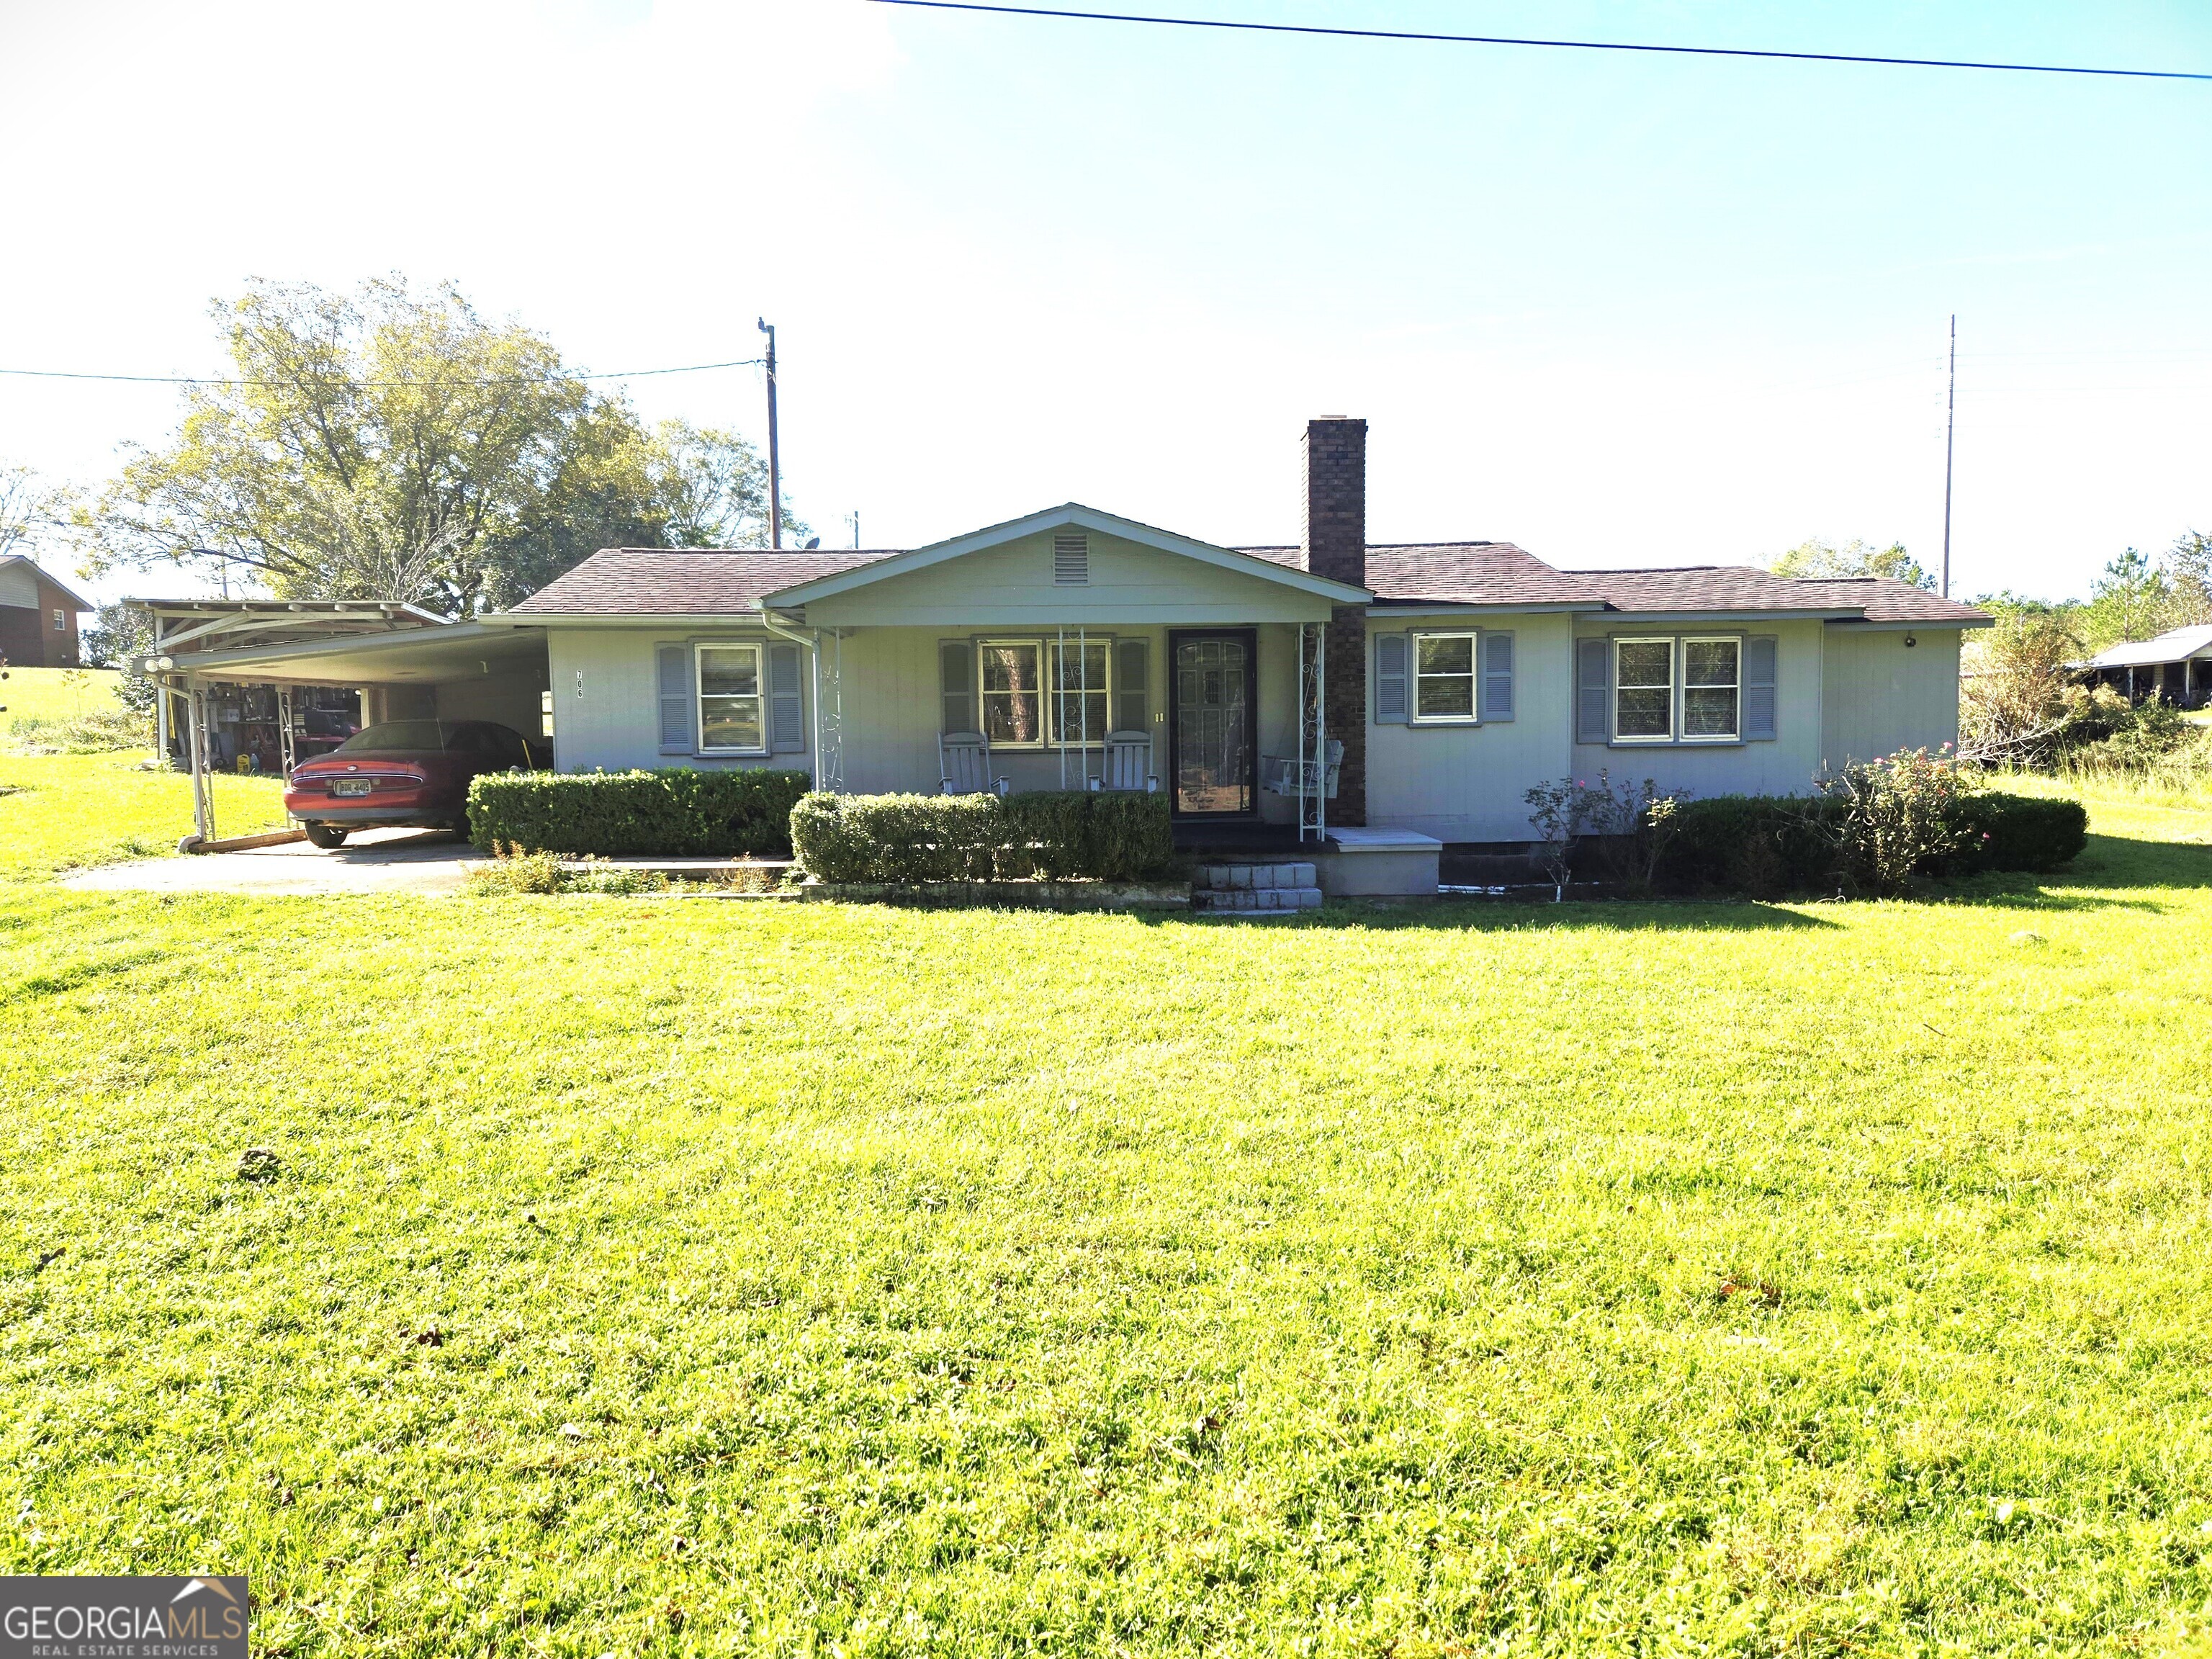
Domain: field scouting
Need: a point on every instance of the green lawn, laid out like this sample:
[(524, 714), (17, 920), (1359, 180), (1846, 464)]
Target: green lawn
[(640, 1276), (51, 693), (61, 810)]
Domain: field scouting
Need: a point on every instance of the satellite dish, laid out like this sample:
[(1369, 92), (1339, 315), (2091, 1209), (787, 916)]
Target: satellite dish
[(816, 543)]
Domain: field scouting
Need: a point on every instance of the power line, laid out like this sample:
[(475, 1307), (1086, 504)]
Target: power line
[(366, 386), (1530, 40)]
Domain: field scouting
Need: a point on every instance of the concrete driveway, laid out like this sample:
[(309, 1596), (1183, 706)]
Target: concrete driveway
[(370, 861)]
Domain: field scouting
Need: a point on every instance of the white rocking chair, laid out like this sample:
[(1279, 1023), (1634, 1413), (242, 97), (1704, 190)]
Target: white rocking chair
[(1129, 763), (964, 765)]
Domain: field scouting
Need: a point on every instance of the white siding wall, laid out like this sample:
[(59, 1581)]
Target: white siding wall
[(1882, 695), (1784, 766), (606, 700), (1465, 783), (512, 699), (19, 586)]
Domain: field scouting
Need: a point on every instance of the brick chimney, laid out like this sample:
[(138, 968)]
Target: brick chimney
[(1335, 546), (1336, 499)]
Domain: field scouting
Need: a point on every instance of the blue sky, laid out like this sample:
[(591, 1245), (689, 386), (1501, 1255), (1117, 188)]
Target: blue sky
[(1618, 309)]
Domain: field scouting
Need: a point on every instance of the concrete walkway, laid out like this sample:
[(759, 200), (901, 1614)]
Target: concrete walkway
[(370, 861)]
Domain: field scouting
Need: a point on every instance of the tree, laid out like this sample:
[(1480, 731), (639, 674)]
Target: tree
[(1854, 558), (2130, 600), (2188, 566), (2015, 693), (31, 510), (120, 633), (394, 445)]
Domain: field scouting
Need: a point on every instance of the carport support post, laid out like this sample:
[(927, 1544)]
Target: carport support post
[(196, 748)]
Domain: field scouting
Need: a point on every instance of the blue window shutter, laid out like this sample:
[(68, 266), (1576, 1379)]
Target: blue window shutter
[(1389, 679), (1593, 690), (955, 685), (787, 722), (1496, 676), (676, 699), (1759, 692), (1132, 682)]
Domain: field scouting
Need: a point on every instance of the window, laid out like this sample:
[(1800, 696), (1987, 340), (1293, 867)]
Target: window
[(61, 621), (1013, 698), (1643, 690), (1443, 676), (1080, 704), (730, 718), (1712, 689)]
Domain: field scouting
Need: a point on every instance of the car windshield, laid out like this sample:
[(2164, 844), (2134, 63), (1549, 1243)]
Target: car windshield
[(395, 738)]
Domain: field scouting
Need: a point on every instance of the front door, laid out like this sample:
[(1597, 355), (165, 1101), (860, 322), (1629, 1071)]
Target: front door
[(1213, 732)]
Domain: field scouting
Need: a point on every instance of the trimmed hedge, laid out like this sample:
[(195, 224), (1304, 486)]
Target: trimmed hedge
[(682, 813), (1766, 845), (1104, 836), (2023, 832), (1762, 845)]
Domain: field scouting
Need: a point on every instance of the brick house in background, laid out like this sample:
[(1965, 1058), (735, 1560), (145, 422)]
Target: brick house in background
[(37, 617)]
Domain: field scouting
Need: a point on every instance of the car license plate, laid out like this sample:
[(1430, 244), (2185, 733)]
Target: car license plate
[(350, 787)]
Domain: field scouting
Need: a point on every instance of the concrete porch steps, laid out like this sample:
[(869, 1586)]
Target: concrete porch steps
[(1245, 889)]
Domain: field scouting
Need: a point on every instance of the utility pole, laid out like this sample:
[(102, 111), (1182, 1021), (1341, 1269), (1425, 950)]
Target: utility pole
[(1950, 429), (853, 520), (774, 464)]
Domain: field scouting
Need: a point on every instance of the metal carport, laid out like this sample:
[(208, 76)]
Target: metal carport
[(406, 662)]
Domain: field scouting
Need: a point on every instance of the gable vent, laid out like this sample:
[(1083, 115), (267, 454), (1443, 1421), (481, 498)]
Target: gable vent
[(1071, 561)]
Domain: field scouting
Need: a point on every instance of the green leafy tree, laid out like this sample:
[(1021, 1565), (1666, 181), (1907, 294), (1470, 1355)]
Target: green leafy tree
[(2130, 600), (120, 633), (393, 444), (1853, 558), (2188, 566)]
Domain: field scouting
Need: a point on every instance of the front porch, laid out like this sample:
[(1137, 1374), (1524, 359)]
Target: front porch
[(1226, 721)]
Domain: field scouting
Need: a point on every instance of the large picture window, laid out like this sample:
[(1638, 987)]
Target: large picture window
[(731, 716), (1444, 677), (1643, 690), (1012, 676), (1712, 689)]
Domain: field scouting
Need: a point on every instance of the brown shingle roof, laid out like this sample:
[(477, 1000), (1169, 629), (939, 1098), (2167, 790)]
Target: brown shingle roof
[(1743, 587), (1887, 600), (654, 581), (1456, 572)]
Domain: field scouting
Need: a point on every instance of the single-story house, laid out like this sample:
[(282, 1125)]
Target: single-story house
[(2176, 668), (37, 617), (1382, 694)]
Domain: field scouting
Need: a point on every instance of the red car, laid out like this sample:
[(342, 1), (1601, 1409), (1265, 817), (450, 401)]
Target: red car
[(414, 774)]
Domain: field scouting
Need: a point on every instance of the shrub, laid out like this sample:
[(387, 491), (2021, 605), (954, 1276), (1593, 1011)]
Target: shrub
[(1894, 816), (1107, 836), (1768, 845), (1626, 828), (909, 838), (680, 813), (1762, 845), (2022, 832), (90, 732), (513, 871), (896, 837)]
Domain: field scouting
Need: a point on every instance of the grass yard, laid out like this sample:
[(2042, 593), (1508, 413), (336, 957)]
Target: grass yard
[(638, 1277), (39, 694), (58, 812)]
